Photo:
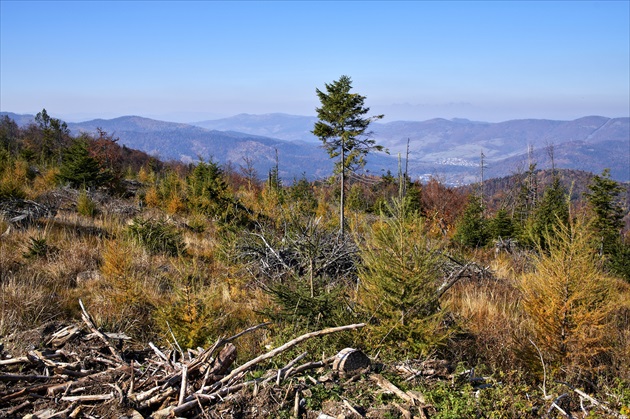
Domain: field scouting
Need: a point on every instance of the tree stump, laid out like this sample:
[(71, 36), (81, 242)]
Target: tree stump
[(350, 361)]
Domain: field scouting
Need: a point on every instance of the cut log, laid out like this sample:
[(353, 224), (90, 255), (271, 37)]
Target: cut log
[(224, 361), (350, 361)]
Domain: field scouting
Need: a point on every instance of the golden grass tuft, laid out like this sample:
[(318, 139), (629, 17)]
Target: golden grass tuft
[(26, 301), (14, 179), (46, 181), (117, 258), (152, 197)]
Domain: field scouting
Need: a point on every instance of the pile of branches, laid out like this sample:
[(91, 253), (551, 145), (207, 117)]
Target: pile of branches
[(102, 377), (301, 250), (24, 212)]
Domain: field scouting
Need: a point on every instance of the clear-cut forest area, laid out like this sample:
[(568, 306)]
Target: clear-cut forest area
[(134, 287)]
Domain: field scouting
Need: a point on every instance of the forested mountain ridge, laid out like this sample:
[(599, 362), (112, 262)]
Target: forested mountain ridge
[(452, 147), (449, 149)]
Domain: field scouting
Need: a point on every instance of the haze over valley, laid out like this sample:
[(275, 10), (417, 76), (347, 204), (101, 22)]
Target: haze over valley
[(447, 149)]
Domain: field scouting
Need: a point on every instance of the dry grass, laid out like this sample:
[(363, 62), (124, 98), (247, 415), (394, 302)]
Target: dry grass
[(46, 182), (489, 313), (201, 242), (26, 302), (41, 288)]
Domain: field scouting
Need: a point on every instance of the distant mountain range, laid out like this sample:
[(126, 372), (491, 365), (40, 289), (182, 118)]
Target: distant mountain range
[(452, 148), (448, 149)]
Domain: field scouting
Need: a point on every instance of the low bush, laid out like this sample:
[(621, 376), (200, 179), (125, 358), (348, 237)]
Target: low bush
[(85, 205), (157, 236)]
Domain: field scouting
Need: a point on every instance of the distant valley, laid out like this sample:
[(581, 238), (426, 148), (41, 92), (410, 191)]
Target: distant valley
[(448, 149)]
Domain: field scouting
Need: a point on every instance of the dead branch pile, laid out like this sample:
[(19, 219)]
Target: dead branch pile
[(309, 250), (101, 378), (24, 212)]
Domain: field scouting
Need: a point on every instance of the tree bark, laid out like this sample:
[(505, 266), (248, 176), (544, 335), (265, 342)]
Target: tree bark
[(342, 218)]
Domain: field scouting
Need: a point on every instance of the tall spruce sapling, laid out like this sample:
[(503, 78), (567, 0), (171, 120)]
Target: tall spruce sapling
[(604, 200), (399, 277), (342, 128), (207, 190), (472, 231), (551, 213)]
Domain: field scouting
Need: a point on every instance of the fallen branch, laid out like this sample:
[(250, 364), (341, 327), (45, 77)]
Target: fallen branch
[(88, 320), (89, 398), (451, 280), (286, 346), (408, 396), (387, 385), (11, 361), (598, 403), (216, 389)]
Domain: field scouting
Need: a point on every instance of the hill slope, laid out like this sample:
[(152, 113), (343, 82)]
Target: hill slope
[(449, 149)]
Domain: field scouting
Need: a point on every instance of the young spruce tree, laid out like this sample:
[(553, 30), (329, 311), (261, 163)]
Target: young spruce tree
[(472, 231), (80, 169), (399, 277)]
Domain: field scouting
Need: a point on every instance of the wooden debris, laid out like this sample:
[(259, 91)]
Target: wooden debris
[(296, 405), (432, 368), (350, 362), (406, 414), (61, 383), (351, 408), (387, 385), (88, 320), (286, 346), (22, 212), (90, 398), (61, 337), (222, 387), (599, 404), (12, 361)]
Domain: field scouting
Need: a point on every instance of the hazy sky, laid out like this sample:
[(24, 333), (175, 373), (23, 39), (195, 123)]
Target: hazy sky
[(187, 61)]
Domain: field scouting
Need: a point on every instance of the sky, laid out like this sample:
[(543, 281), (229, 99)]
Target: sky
[(412, 60)]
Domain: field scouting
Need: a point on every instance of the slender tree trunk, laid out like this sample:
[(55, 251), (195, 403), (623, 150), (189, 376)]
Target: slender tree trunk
[(343, 185), (311, 268)]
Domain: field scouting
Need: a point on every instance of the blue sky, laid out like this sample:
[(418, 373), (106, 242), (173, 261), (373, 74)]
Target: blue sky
[(187, 61)]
